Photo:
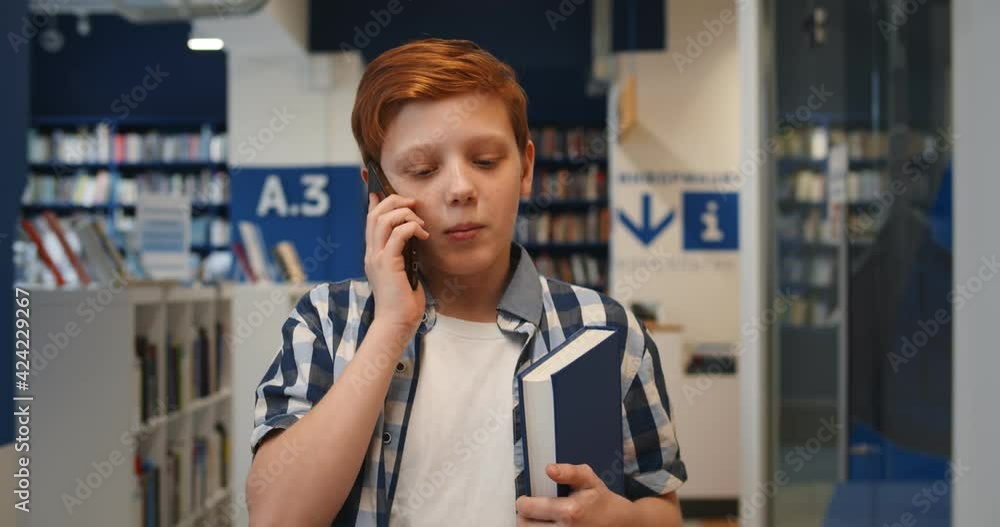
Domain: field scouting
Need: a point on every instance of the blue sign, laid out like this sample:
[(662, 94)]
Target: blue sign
[(646, 232), (320, 210), (711, 221)]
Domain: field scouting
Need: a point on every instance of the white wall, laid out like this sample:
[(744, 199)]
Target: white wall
[(688, 121), (976, 82)]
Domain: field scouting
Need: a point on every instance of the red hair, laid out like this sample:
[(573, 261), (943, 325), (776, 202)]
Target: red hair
[(427, 70)]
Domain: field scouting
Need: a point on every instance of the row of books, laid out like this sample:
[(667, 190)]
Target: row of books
[(817, 271), (201, 375), (575, 143), (809, 186), (811, 227), (147, 376), (101, 187), (810, 312), (67, 251), (588, 183), (590, 226), (814, 142), (207, 230), (98, 144), (191, 474), (254, 263), (207, 187), (577, 269)]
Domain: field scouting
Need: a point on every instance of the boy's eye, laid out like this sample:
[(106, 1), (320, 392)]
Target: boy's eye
[(421, 171), (486, 163)]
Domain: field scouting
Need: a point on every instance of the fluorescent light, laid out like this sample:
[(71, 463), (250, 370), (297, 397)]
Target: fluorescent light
[(205, 44)]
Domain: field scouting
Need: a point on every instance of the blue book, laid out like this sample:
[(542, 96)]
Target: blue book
[(572, 410)]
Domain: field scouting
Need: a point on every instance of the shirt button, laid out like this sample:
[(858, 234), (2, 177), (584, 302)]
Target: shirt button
[(400, 367), (386, 438)]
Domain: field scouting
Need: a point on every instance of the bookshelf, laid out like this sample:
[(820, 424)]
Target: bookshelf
[(92, 387), (94, 165), (565, 223)]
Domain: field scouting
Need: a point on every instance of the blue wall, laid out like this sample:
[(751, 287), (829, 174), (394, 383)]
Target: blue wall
[(14, 103), (549, 51), (89, 74)]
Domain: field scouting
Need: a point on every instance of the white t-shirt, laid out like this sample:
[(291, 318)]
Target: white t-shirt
[(458, 458)]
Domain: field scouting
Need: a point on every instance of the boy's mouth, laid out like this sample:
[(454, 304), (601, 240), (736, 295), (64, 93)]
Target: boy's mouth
[(463, 231)]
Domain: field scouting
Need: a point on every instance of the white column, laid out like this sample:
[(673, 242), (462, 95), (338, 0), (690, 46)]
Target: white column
[(976, 81), (754, 263)]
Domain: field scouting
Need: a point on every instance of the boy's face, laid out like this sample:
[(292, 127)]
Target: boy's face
[(458, 158)]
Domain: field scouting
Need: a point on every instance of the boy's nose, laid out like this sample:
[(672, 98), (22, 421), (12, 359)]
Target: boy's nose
[(461, 189)]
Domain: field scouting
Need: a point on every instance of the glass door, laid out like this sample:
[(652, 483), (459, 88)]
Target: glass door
[(861, 356)]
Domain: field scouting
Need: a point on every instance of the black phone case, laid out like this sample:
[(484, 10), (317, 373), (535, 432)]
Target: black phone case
[(378, 184)]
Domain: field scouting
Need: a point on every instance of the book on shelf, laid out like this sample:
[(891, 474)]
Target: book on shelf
[(243, 263), (255, 251), (575, 143), (590, 226), (571, 410), (577, 269), (148, 479), (98, 145), (589, 182), (147, 370), (42, 251), (55, 225), (288, 262), (222, 438), (175, 484), (175, 367)]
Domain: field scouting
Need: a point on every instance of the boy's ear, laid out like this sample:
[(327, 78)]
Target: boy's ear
[(364, 175), (528, 169)]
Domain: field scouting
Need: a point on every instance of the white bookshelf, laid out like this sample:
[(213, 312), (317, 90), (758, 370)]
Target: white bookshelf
[(253, 350), (86, 408)]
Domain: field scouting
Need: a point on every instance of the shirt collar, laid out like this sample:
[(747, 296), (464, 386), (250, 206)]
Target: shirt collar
[(522, 298)]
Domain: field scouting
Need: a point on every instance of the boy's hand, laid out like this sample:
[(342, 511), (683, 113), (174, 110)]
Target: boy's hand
[(390, 223), (589, 504)]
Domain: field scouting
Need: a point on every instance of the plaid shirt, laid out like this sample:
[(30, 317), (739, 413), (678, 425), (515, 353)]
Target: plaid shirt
[(329, 323)]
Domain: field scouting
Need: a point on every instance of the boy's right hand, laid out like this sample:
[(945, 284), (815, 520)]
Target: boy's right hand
[(390, 223)]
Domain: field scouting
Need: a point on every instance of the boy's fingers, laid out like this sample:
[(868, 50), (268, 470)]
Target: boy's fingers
[(563, 510), (576, 476)]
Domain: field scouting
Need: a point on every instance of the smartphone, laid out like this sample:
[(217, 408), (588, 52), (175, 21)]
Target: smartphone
[(379, 184)]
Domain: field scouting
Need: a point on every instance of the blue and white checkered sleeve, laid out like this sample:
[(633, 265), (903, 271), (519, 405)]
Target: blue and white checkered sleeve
[(652, 461), (301, 372)]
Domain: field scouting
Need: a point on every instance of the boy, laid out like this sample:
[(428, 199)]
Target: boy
[(446, 122)]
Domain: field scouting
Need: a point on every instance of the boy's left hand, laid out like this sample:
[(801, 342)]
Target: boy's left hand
[(589, 503)]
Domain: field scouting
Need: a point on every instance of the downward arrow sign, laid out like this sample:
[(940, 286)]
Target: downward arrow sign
[(646, 233)]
